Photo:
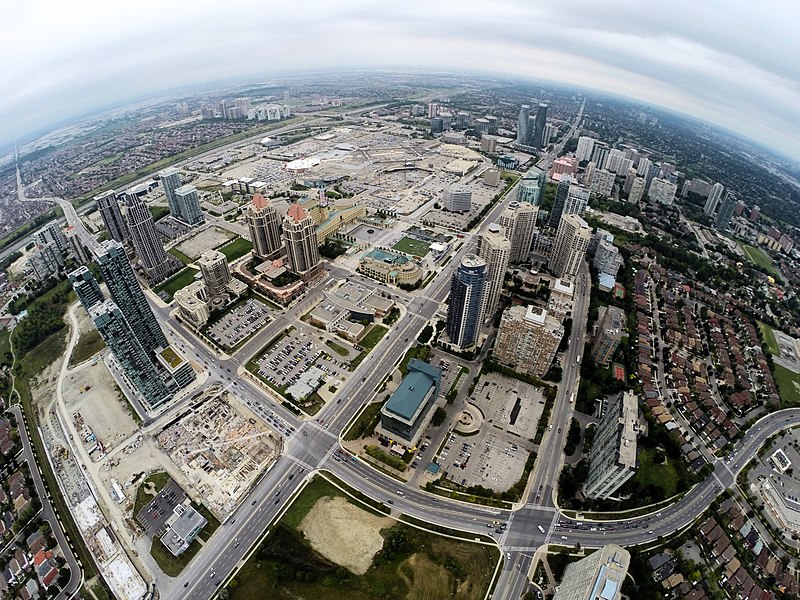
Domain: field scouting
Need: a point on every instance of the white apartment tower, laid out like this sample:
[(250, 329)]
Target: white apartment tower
[(572, 240), (519, 222), (495, 249)]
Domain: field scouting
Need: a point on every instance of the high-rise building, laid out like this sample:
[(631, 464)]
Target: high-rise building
[(607, 258), (112, 216), (662, 191), (562, 191), (77, 250), (563, 166), (488, 143), (86, 287), (134, 360), (725, 213), (613, 459), (624, 165), (537, 139), (613, 159), (585, 148), (599, 576), (550, 131), (629, 177), (128, 296), (572, 240), (519, 222), (51, 233), (492, 124), (495, 249), (216, 273), (433, 110), (457, 198), (302, 249), (466, 299), (559, 305), (696, 186), (522, 124), (262, 220), (437, 125), (156, 262), (754, 213), (531, 186), (193, 301), (599, 155), (45, 260), (610, 328), (643, 167), (602, 183), (576, 201), (188, 205), (171, 181), (527, 340), (637, 190), (713, 200)]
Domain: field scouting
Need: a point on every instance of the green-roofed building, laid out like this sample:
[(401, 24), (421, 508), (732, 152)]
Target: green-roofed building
[(405, 414)]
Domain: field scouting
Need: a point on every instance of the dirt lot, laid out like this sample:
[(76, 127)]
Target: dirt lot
[(344, 534), (208, 238)]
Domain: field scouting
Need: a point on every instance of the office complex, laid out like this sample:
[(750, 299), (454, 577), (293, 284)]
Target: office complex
[(531, 186), (537, 137), (187, 204), (609, 330), (157, 264), (599, 576), (519, 222), (713, 200), (522, 124), (466, 299), (86, 287), (725, 213), (128, 296), (559, 305), (263, 223), (585, 148), (111, 215), (527, 340), (135, 361), (216, 273), (613, 458), (302, 249), (171, 181), (407, 411), (495, 249), (662, 191), (457, 198), (572, 240)]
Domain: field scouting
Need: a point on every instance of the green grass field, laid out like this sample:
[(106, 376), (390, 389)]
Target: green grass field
[(788, 386), (368, 342), (365, 423), (648, 473), (340, 350), (187, 260), (760, 258), (177, 282), (769, 338), (89, 344), (236, 249), (412, 246)]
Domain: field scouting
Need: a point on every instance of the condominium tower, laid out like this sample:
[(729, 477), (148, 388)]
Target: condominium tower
[(146, 241), (598, 576), (495, 249), (171, 181), (302, 249), (613, 458), (572, 240), (85, 286), (527, 340), (519, 222), (112, 216), (187, 204), (466, 299), (262, 220), (216, 273)]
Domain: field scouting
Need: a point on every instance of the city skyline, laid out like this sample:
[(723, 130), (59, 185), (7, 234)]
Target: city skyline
[(714, 65)]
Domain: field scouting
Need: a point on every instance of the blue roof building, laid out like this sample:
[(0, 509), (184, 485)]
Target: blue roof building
[(405, 414)]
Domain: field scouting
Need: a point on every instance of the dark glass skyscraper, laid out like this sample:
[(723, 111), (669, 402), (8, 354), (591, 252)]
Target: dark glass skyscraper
[(149, 249), (466, 298), (537, 139), (112, 216), (85, 286), (562, 192)]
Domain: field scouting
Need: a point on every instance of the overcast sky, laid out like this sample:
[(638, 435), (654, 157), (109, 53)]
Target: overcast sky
[(731, 62)]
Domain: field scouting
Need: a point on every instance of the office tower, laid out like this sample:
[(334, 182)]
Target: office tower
[(599, 576), (495, 249), (437, 125), (522, 124), (467, 289), (559, 305), (86, 287), (607, 258), (713, 200), (146, 241), (662, 191), (569, 248), (519, 222), (128, 296), (45, 260), (112, 216), (262, 220), (492, 177), (613, 159), (527, 340), (51, 233), (599, 155), (537, 138), (302, 249), (613, 459), (754, 213), (76, 248), (214, 267), (610, 328), (188, 205), (171, 181), (462, 119), (457, 198), (134, 360), (602, 183), (562, 191), (726, 208), (637, 190), (643, 167), (481, 127), (585, 148)]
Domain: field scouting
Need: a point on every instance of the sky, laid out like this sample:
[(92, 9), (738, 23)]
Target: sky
[(731, 62)]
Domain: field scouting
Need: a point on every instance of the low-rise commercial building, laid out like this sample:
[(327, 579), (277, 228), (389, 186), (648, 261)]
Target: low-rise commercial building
[(390, 267)]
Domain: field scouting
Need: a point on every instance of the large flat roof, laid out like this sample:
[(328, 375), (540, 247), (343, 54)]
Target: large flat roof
[(410, 394)]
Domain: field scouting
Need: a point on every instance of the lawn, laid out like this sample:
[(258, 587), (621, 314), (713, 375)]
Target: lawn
[(769, 338), (89, 344), (664, 475), (788, 386), (412, 246), (176, 282), (185, 259), (236, 249), (159, 479), (366, 422), (368, 342), (340, 350), (760, 258), (158, 212)]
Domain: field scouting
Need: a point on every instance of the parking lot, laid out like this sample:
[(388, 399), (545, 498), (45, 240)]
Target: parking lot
[(239, 324), (284, 363)]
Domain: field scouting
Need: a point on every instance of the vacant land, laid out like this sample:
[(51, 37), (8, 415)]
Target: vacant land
[(412, 246), (788, 386), (769, 338), (760, 258), (89, 344), (177, 282)]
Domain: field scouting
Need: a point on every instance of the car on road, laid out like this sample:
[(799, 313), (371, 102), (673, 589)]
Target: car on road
[(508, 555)]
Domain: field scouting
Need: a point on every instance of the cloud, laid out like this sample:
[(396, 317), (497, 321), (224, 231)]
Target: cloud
[(726, 61)]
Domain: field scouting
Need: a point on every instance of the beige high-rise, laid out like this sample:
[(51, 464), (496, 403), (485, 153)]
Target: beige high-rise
[(527, 340), (262, 220), (519, 222), (216, 273), (302, 249), (572, 240), (495, 249)]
